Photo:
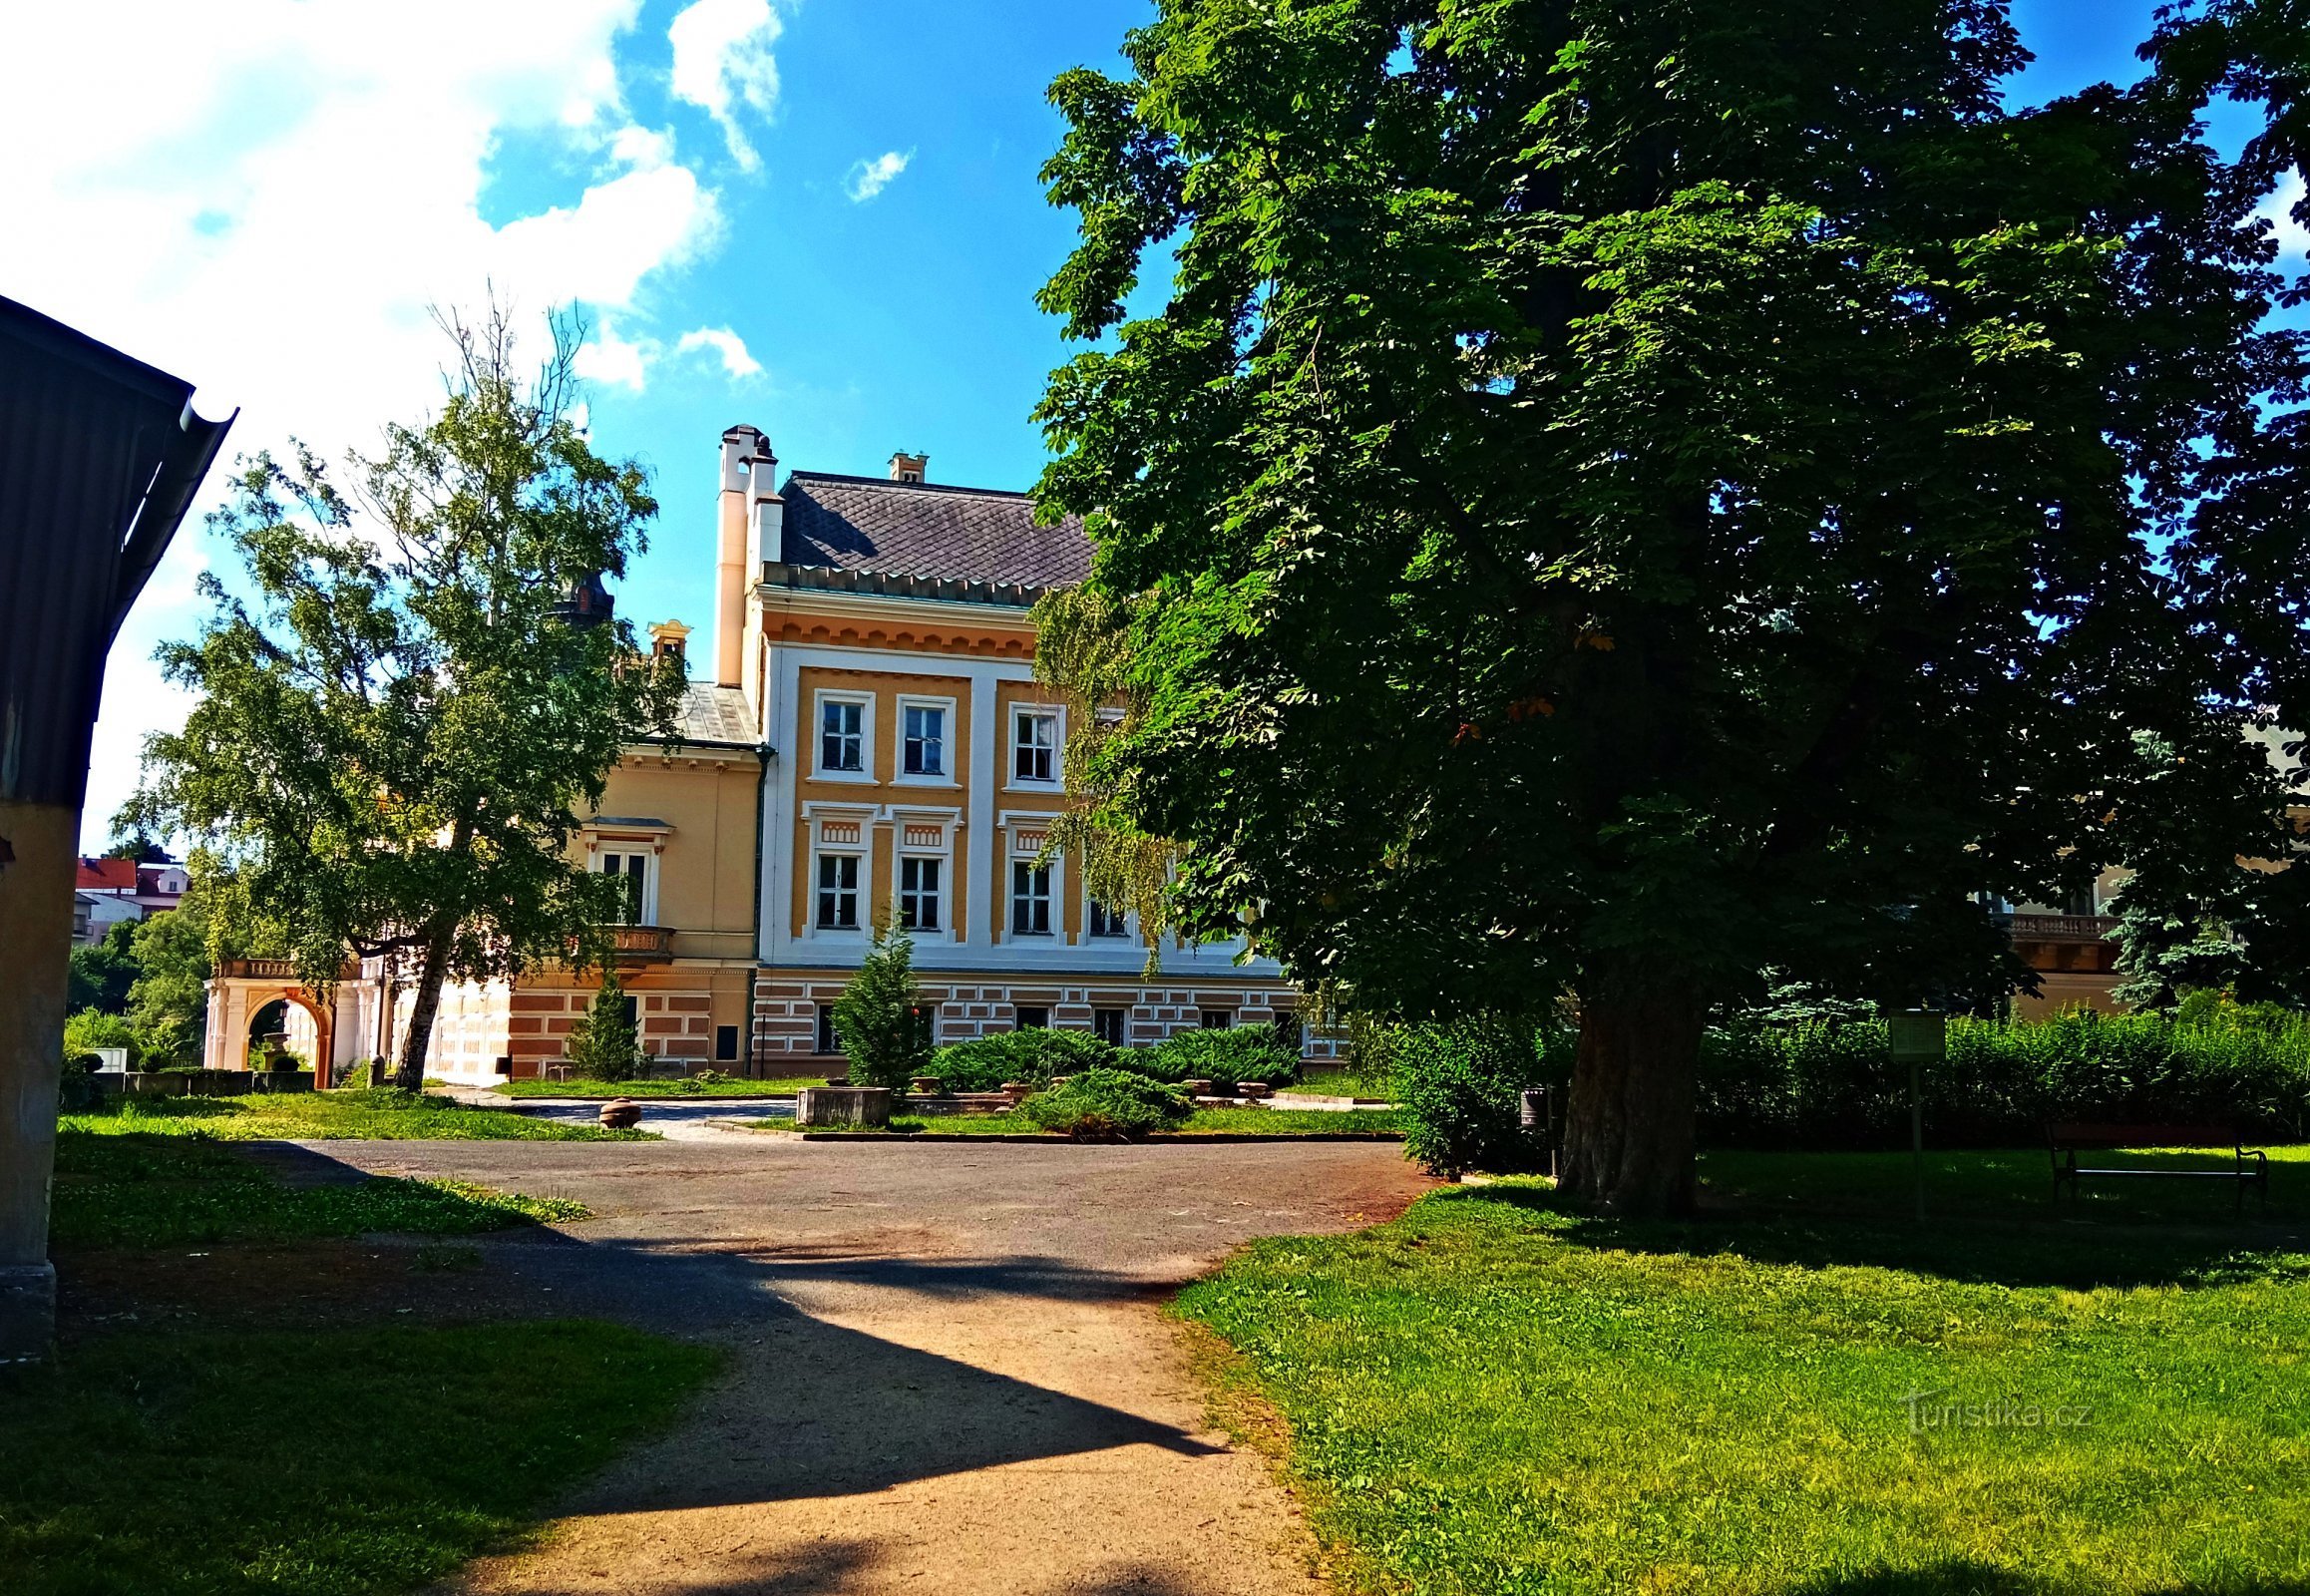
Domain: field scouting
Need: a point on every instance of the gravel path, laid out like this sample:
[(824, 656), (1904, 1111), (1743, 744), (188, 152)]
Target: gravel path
[(949, 1369)]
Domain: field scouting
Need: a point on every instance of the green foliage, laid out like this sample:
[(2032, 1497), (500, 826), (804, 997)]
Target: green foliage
[(1459, 1089), (162, 1191), (397, 728), (1836, 1085), (1621, 500), (1491, 1394), (1034, 1056), (104, 971), (1103, 1104), (603, 1043), (1237, 1054), (879, 1018), (91, 1028), (168, 1001), (330, 1461), (383, 1114)]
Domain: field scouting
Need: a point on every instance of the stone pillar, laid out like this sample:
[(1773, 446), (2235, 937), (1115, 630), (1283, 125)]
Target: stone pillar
[(38, 852)]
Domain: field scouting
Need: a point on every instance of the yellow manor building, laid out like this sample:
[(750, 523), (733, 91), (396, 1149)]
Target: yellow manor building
[(871, 738)]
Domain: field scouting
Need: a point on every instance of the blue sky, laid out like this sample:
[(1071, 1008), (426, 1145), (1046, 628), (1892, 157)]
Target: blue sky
[(820, 218)]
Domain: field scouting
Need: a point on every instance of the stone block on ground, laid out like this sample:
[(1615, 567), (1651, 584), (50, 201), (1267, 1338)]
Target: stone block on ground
[(842, 1105)]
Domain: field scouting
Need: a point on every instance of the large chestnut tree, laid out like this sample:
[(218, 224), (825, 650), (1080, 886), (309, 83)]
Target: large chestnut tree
[(1614, 501)]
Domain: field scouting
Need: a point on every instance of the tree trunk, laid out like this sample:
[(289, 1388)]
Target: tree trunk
[(410, 1077), (1628, 1133)]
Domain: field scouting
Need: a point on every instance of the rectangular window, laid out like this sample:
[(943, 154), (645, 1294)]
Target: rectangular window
[(826, 1041), (1029, 898), (838, 892), (1106, 921), (725, 1042), (1218, 1018), (1108, 1025), (918, 894), (632, 869), (926, 742), (1035, 1019), (841, 735), (1034, 745)]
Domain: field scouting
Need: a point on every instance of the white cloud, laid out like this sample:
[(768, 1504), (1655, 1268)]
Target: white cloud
[(611, 361), (870, 178), (265, 197), (722, 59), (737, 364), (2293, 237)]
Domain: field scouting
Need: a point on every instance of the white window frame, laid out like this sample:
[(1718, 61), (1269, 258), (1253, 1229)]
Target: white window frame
[(1024, 860), (947, 743), (645, 895), (858, 855), (941, 895), (648, 842), (1011, 746), (824, 696), (1126, 924)]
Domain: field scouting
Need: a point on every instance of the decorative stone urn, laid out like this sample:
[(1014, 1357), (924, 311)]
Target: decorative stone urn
[(620, 1113), (1018, 1091), (927, 1086), (1196, 1088), (1254, 1089), (1056, 1081)]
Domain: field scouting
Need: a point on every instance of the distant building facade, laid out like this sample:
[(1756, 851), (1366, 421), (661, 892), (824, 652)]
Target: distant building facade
[(867, 739)]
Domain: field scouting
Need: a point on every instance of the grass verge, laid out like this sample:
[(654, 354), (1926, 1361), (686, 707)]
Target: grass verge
[(1314, 1122), (159, 1191), (1494, 1395), (381, 1115), (328, 1463), (658, 1088)]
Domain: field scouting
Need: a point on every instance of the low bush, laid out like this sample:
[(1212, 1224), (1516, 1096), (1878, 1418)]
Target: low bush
[(1459, 1085), (1240, 1052), (1101, 1104), (1034, 1056)]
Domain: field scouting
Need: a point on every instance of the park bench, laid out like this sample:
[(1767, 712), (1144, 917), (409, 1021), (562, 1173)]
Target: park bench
[(2248, 1167)]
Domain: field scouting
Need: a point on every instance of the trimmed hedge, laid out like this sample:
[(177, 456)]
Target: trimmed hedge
[(1832, 1084), (1836, 1085)]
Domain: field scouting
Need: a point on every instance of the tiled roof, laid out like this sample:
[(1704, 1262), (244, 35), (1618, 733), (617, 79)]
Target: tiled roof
[(106, 875), (927, 530), (714, 714)]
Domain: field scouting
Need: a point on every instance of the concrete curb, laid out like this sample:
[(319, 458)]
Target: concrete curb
[(1041, 1139)]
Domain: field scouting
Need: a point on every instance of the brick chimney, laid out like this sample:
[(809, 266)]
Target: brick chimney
[(742, 447), (909, 468)]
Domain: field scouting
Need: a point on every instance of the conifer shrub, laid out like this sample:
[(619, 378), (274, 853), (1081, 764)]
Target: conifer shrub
[(1240, 1052), (1034, 1056), (879, 1018), (604, 1044), (1106, 1105)]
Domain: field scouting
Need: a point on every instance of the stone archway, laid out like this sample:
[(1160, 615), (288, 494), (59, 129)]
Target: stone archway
[(243, 989)]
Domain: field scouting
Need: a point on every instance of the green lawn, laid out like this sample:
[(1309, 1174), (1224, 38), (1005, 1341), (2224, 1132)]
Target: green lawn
[(658, 1088), (1203, 1121), (324, 1462), (157, 1191), (382, 1114), (1494, 1396)]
